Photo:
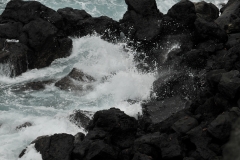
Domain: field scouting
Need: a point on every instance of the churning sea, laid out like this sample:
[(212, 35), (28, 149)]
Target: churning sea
[(48, 110)]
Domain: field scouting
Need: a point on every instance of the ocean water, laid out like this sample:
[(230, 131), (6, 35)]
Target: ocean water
[(112, 65)]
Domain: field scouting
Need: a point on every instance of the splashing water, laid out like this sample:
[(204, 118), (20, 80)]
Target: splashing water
[(48, 110)]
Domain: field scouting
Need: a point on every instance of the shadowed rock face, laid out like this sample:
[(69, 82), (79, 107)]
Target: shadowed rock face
[(207, 11)]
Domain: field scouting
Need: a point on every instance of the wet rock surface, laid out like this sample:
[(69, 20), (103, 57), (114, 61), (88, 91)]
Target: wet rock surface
[(81, 118), (76, 80)]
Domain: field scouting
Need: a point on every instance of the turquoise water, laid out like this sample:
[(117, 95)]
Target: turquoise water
[(48, 110), (112, 8)]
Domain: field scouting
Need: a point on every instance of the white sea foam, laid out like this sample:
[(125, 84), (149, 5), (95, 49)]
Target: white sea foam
[(31, 154), (47, 110)]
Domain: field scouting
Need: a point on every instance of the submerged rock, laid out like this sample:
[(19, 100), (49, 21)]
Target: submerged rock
[(33, 85), (25, 125), (76, 80), (81, 118)]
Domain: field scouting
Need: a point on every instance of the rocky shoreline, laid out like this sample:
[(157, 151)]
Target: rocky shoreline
[(192, 110)]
